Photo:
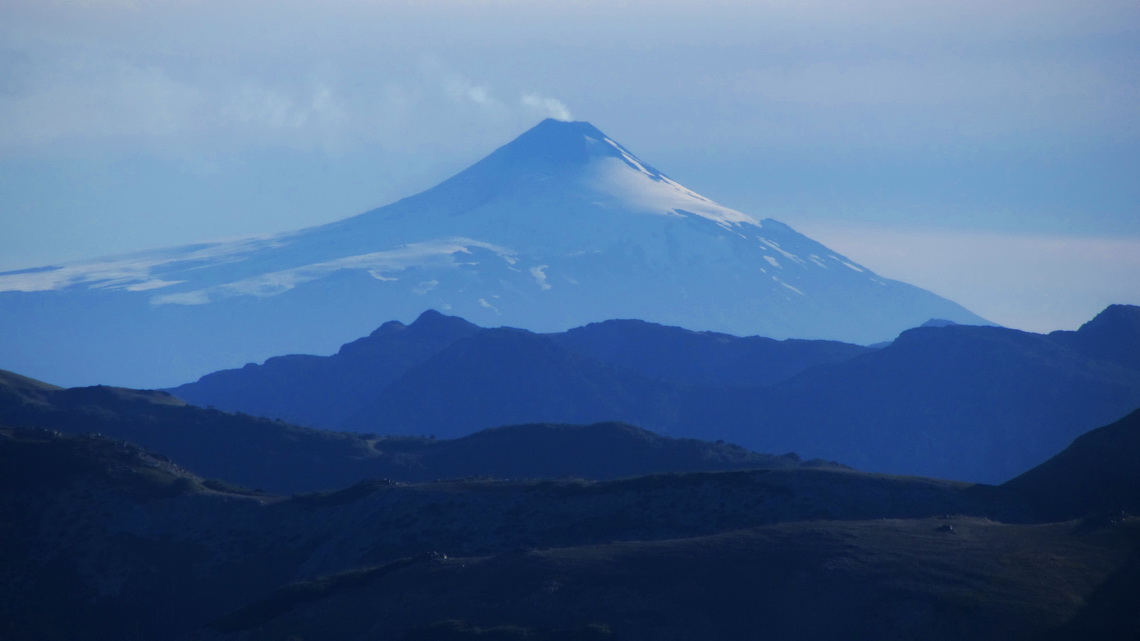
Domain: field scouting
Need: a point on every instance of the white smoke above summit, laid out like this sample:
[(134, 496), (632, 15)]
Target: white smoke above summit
[(547, 107)]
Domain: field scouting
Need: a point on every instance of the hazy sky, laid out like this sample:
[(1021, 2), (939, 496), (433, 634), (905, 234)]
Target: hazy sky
[(989, 151)]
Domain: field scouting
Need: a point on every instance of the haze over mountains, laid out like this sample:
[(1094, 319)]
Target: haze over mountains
[(612, 470), (951, 401), (559, 228)]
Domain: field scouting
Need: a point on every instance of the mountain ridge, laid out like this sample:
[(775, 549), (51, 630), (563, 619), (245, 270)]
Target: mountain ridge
[(954, 401), (281, 458)]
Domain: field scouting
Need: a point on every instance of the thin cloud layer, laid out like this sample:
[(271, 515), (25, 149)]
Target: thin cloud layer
[(329, 75), (1034, 282)]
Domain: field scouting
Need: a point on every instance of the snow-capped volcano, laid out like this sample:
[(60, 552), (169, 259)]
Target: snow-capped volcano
[(560, 227)]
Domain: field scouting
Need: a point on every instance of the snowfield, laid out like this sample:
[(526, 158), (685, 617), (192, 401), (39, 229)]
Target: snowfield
[(561, 227)]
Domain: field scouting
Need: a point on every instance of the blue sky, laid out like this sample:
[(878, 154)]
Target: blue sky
[(988, 151)]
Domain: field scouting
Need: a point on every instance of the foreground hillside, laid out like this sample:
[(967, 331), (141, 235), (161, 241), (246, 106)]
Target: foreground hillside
[(858, 580), (966, 402), (1097, 473), (104, 540), (282, 458)]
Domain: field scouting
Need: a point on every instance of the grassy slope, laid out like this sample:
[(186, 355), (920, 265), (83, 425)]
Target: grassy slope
[(111, 541), (882, 579)]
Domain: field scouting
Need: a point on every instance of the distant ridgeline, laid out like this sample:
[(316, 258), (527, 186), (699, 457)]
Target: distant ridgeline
[(559, 228), (975, 403)]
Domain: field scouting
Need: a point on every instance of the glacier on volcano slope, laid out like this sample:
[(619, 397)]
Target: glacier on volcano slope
[(558, 228)]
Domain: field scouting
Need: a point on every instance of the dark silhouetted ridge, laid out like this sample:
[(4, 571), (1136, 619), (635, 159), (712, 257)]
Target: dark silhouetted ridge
[(324, 391), (502, 377), (1112, 335), (973, 403), (1098, 473), (701, 358)]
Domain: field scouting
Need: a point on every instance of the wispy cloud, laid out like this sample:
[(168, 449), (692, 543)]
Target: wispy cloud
[(156, 107), (461, 88)]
